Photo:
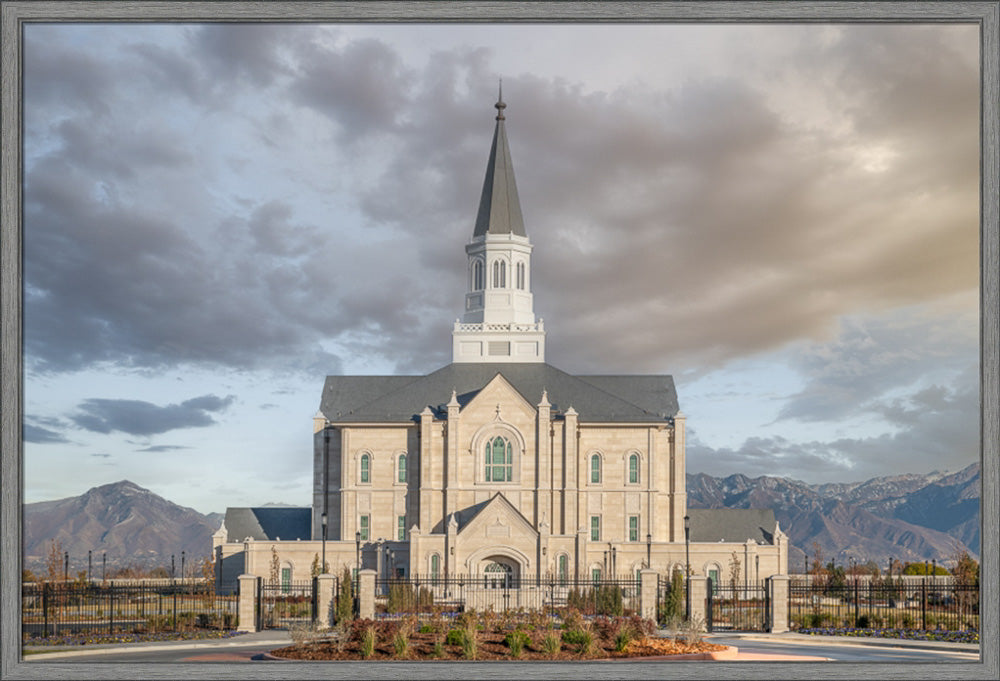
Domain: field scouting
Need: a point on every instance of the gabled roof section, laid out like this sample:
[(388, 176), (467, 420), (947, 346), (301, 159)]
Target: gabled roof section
[(498, 503), (613, 399), (268, 523), (732, 525), (499, 206)]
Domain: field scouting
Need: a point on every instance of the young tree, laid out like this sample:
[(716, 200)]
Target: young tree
[(734, 570), (275, 565), (314, 569), (54, 561)]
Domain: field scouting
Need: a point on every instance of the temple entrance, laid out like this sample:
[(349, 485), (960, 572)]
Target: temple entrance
[(500, 572)]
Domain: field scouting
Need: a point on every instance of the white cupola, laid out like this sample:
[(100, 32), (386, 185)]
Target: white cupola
[(498, 324)]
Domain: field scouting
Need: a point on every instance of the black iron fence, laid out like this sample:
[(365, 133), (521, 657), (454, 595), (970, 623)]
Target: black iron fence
[(284, 604), (434, 594), (63, 608), (885, 604), (730, 607)]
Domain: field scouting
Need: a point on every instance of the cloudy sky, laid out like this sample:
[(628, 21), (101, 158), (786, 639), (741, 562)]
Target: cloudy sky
[(784, 218)]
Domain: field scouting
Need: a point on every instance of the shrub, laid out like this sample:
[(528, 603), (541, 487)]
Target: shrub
[(862, 622), (582, 638), (344, 611), (516, 640), (692, 630), (470, 646), (368, 643), (455, 637), (622, 639), (438, 650), (427, 628), (551, 644), (401, 644), (572, 619)]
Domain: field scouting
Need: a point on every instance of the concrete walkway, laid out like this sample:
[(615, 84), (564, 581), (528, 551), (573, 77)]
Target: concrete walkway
[(228, 649)]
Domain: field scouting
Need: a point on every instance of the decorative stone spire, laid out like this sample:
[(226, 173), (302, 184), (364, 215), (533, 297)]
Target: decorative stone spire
[(499, 207), (498, 323)]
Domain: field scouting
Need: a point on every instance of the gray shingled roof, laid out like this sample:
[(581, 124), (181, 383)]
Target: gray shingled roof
[(395, 399), (732, 525), (268, 523), (499, 207)]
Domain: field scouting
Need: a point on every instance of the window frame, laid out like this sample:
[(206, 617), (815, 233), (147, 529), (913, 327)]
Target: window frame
[(401, 527), (402, 468), (365, 527), (632, 529), (365, 469), (595, 528), (633, 456), (596, 469)]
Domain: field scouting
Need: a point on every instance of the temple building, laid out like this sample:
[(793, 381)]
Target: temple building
[(500, 463)]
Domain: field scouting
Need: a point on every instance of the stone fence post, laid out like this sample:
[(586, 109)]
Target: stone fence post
[(246, 608), (325, 585), (366, 603), (777, 587), (697, 590), (648, 585)]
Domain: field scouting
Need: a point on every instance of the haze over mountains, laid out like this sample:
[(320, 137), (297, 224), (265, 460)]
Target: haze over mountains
[(908, 517)]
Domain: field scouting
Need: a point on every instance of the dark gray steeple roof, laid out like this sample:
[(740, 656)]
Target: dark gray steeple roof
[(499, 207), (396, 399)]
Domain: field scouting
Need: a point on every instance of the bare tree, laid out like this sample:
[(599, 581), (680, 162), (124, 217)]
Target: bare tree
[(275, 565), (735, 569)]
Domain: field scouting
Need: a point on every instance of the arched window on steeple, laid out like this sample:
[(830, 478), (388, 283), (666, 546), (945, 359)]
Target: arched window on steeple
[(478, 280), (499, 274), (520, 276)]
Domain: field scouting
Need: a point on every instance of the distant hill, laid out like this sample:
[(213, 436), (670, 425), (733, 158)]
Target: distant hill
[(907, 517), (131, 524)]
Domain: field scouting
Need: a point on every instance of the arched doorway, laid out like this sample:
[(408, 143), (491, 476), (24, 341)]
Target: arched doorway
[(499, 572)]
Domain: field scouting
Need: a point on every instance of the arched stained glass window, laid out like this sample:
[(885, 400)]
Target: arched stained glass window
[(402, 468), (365, 468), (633, 468), (499, 460), (595, 468)]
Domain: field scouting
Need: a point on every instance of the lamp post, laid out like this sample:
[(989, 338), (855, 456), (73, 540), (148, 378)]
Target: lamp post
[(687, 566), (171, 566), (183, 574), (614, 562), (322, 522), (104, 568), (757, 569), (65, 565), (357, 552), (89, 565), (649, 548)]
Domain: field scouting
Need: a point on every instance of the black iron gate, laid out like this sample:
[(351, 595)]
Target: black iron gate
[(280, 605), (730, 607)]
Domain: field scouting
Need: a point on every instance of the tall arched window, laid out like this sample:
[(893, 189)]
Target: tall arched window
[(402, 468), (595, 468), (365, 468), (477, 275), (435, 565), (520, 275), (499, 274), (563, 568), (499, 460), (633, 468)]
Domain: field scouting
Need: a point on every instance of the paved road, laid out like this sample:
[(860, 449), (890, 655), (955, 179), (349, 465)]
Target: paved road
[(841, 651)]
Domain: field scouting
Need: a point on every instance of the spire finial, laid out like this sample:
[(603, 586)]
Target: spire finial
[(500, 104)]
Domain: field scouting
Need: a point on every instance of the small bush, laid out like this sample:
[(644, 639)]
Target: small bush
[(622, 639), (455, 637), (470, 646), (516, 640), (368, 643), (551, 644), (427, 628), (401, 644), (438, 650)]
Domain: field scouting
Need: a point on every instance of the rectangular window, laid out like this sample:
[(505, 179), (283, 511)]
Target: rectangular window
[(595, 574), (365, 520), (401, 528), (286, 580), (595, 528), (633, 528)]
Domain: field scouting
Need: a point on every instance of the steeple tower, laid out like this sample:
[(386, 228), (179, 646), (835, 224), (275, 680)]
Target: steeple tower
[(498, 324)]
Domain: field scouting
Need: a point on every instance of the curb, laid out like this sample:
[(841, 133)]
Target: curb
[(113, 650), (860, 641)]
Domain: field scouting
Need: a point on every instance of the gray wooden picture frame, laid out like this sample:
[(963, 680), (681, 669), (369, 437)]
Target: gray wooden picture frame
[(16, 14)]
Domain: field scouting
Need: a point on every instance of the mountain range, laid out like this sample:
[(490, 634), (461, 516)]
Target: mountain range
[(908, 517)]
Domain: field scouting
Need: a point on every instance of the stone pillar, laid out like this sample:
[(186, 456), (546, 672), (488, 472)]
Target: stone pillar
[(648, 585), (246, 610), (777, 587), (366, 607), (698, 590), (325, 585)]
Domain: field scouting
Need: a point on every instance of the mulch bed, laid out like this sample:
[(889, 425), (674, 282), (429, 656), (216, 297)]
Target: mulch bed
[(490, 646)]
